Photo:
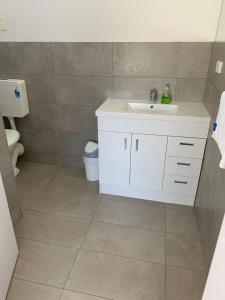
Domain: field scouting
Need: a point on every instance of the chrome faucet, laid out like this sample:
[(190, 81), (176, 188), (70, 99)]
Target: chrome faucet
[(153, 95)]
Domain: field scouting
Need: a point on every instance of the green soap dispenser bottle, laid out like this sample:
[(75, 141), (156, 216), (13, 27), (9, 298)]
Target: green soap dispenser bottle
[(167, 95)]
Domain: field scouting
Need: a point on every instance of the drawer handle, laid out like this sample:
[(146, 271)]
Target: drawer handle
[(125, 144), (181, 182), (186, 144), (183, 164), (137, 142)]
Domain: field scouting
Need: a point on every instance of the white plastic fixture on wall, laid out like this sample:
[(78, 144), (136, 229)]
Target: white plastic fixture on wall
[(110, 20)]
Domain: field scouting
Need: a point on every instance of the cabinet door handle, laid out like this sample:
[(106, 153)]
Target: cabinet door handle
[(183, 164), (137, 142), (186, 144), (181, 182), (125, 144)]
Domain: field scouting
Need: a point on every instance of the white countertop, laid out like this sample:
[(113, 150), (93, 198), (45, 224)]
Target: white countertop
[(187, 111)]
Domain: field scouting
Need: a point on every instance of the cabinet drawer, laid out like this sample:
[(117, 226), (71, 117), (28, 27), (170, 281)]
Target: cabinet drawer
[(180, 185), (183, 166), (185, 147)]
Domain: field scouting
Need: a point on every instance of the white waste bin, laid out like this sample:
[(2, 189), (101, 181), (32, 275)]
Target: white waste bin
[(90, 159)]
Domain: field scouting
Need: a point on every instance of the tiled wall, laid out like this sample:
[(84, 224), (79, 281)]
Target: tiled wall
[(67, 81), (8, 177), (210, 202)]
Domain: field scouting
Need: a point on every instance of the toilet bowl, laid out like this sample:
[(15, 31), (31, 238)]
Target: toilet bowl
[(15, 149)]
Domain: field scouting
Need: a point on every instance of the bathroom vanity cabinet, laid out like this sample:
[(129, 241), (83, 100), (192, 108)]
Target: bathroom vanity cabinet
[(155, 156)]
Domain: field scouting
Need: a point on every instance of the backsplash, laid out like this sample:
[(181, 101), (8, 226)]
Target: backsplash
[(66, 82), (210, 203), (8, 177)]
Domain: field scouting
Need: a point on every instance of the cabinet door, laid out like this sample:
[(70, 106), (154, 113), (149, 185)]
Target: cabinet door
[(147, 161), (114, 158)]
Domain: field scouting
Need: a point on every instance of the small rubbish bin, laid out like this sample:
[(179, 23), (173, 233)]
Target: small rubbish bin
[(90, 159)]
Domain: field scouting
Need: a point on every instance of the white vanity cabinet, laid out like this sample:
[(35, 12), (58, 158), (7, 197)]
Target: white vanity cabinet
[(151, 156)]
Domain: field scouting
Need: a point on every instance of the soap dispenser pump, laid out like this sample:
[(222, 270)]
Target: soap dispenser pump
[(167, 95)]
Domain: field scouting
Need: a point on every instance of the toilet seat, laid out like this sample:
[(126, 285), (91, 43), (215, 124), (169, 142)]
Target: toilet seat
[(12, 136)]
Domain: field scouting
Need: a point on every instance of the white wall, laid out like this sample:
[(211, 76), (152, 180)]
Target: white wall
[(221, 27), (110, 20)]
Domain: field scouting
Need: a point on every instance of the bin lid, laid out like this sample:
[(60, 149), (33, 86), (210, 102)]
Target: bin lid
[(91, 147)]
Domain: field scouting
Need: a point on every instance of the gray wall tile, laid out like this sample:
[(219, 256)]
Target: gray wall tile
[(194, 60), (211, 99), (25, 58), (191, 89), (72, 161), (5, 163), (210, 204), (146, 59), (40, 140), (82, 58), (77, 118), (82, 90), (218, 80), (138, 88), (73, 143), (43, 158), (41, 116)]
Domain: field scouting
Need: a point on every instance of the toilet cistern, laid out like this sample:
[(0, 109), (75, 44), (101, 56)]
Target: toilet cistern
[(13, 103)]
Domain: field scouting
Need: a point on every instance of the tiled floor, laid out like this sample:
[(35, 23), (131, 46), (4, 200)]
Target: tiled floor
[(77, 245)]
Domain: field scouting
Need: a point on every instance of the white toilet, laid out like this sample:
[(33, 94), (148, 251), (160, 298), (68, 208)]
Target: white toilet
[(13, 103)]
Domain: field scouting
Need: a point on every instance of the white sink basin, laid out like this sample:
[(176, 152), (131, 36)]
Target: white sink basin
[(152, 108)]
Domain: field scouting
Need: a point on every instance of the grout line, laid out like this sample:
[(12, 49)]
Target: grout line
[(129, 226), (78, 252), (87, 294), (178, 66), (60, 296), (47, 243), (57, 214), (122, 256), (134, 201), (70, 270), (38, 283), (103, 76)]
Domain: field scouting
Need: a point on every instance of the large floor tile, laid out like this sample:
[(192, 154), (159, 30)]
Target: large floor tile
[(183, 284), (131, 214), (26, 196), (126, 241), (68, 295), (24, 290), (33, 176), (184, 251), (117, 278), (71, 180), (52, 228), (77, 205), (44, 263), (181, 222)]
